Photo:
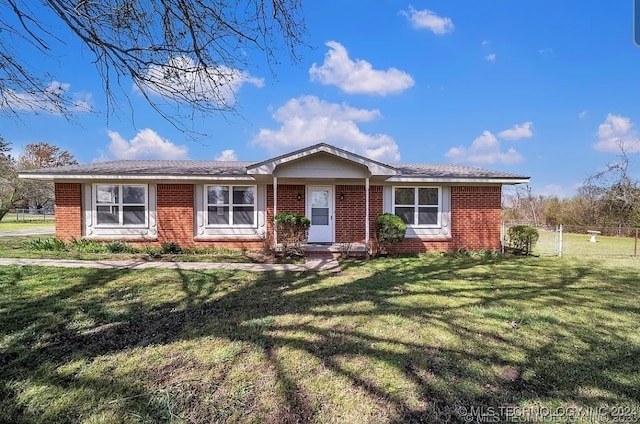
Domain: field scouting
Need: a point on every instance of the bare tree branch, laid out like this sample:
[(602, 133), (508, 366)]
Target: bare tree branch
[(188, 57)]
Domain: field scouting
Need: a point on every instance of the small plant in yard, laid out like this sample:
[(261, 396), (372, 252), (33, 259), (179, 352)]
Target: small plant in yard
[(118, 246), (292, 232), (391, 230), (170, 248), (88, 246), (521, 239), (47, 244)]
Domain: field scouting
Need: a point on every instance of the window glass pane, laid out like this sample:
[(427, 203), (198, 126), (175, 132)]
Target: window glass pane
[(218, 215), (427, 216), (319, 198), (319, 216), (405, 196), (107, 194), (243, 215), (406, 214), (427, 196), (133, 215), (218, 195), (133, 194), (107, 215), (243, 195)]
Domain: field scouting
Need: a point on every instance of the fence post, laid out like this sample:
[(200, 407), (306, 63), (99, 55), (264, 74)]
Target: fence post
[(559, 237), (635, 245)]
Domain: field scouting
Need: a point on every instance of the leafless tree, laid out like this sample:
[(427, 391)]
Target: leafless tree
[(617, 194), (41, 194), (186, 57), (10, 186)]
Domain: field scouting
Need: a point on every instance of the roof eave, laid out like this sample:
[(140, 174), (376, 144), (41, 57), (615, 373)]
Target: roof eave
[(144, 177), (458, 180)]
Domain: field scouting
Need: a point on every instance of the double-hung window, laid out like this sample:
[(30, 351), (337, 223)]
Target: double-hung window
[(229, 205), (418, 206), (121, 205)]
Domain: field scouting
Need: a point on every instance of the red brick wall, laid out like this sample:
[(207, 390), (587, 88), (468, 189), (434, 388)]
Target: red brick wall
[(287, 202), (68, 210), (350, 212), (475, 222), (175, 218)]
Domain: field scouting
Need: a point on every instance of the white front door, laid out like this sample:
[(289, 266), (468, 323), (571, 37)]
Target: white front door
[(320, 212)]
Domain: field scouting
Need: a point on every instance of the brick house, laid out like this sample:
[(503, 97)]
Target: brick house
[(232, 204)]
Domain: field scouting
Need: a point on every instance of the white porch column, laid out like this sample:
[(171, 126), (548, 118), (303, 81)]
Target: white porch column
[(366, 213), (275, 212)]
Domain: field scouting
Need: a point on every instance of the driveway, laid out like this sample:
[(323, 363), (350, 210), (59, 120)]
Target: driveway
[(29, 232)]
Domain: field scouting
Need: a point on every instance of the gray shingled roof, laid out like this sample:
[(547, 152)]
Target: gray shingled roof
[(449, 171), (151, 167), (196, 167)]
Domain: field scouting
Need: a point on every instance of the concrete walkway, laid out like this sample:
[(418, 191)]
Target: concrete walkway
[(29, 232), (330, 265)]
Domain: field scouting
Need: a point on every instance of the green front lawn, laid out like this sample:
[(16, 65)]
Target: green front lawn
[(420, 339), (22, 247), (10, 223)]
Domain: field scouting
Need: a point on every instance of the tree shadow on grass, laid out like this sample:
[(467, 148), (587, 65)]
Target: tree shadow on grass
[(462, 351)]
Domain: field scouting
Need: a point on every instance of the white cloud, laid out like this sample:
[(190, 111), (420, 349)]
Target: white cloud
[(485, 43), (617, 130), (308, 120), (517, 132), (484, 150), (147, 144), (227, 155), (357, 77), (47, 102), (182, 78), (551, 190), (426, 19), (490, 57), (545, 50), (583, 114)]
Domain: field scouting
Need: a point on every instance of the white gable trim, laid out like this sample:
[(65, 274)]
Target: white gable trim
[(267, 167)]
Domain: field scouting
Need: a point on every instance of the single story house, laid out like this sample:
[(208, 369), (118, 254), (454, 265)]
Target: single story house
[(232, 204)]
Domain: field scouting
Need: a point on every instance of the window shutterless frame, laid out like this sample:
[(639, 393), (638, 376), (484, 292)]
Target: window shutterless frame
[(113, 207), (230, 206), (411, 206)]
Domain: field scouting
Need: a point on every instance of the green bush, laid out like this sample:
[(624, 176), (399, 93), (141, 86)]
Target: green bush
[(47, 244), (521, 239), (391, 230), (292, 232), (170, 248)]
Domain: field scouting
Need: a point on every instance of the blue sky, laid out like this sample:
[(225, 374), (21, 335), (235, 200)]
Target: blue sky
[(541, 88)]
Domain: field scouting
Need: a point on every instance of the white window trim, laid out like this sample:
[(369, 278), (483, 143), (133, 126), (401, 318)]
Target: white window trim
[(121, 204), (415, 206), (231, 205)]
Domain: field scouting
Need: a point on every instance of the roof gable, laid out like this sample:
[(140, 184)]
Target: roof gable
[(268, 167)]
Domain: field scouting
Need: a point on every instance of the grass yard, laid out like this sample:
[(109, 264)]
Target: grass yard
[(421, 339), (18, 247), (578, 245), (9, 223)]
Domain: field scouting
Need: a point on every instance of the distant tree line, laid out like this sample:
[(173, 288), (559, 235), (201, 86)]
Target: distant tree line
[(16, 193), (608, 201)]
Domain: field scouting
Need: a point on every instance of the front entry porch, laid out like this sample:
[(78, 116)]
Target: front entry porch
[(336, 250)]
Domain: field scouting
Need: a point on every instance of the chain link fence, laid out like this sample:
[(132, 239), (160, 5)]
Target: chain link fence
[(583, 241), (33, 214)]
